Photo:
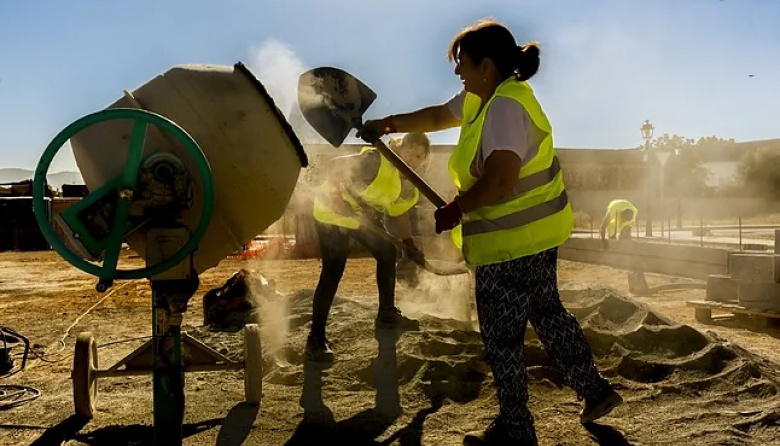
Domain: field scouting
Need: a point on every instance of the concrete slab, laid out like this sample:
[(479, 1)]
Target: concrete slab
[(722, 288), (763, 296), (754, 267)]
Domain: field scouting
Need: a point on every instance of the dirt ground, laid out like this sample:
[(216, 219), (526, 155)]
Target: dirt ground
[(684, 383)]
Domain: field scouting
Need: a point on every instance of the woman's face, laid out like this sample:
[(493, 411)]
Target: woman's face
[(470, 73)]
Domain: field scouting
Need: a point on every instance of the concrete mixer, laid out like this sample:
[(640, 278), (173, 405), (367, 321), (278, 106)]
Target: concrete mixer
[(185, 170)]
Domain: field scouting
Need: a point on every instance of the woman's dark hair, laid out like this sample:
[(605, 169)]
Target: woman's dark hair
[(488, 38)]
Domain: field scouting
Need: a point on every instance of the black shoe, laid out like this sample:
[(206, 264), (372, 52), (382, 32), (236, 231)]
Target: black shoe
[(318, 350), (496, 435), (600, 407), (391, 318)]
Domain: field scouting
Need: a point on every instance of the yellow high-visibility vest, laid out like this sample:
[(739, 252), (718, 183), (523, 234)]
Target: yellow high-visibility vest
[(537, 216), (616, 222), (383, 194)]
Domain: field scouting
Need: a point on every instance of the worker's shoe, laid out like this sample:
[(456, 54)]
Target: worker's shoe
[(599, 407), (391, 318), (318, 350), (497, 434)]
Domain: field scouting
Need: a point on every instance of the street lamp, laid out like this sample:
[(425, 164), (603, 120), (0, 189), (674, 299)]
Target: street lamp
[(647, 134)]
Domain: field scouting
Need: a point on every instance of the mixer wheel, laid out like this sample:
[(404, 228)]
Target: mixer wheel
[(253, 364), (84, 375)]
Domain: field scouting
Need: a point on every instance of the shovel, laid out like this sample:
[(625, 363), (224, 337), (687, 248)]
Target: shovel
[(333, 102), (438, 267)]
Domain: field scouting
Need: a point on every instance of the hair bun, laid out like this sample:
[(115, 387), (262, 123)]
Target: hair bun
[(530, 49)]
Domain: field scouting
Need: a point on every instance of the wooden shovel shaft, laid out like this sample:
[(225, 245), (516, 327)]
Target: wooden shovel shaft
[(407, 171)]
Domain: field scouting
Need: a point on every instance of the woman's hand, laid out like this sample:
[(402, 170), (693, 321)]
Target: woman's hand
[(376, 128), (447, 217)]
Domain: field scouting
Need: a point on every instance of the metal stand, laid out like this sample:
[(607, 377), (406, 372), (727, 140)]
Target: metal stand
[(170, 301)]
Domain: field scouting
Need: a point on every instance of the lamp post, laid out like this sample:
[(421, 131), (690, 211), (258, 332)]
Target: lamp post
[(647, 134)]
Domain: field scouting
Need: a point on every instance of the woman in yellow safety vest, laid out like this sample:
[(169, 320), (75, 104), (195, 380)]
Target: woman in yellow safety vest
[(509, 217), (362, 190), (618, 221)]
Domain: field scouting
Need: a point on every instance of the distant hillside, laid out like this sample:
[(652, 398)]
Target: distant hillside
[(11, 175)]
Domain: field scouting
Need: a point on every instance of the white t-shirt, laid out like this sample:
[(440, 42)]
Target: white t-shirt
[(507, 127)]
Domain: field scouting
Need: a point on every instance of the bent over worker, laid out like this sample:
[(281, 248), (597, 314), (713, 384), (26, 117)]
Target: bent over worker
[(359, 191), (618, 221)]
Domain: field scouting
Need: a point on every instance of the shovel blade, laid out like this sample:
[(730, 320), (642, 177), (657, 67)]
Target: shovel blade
[(333, 102)]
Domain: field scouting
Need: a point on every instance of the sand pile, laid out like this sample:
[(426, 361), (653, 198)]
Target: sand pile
[(681, 386)]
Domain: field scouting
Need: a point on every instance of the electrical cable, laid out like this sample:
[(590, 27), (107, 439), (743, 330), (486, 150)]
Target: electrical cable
[(43, 356), (14, 395)]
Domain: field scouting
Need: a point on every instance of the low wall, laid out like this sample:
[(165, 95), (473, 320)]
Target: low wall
[(675, 260)]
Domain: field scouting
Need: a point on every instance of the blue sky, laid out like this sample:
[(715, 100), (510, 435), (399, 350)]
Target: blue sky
[(607, 64)]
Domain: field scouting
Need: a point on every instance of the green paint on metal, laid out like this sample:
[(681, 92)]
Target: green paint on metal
[(126, 181)]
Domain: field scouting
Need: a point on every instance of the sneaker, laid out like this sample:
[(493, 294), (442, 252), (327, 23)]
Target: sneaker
[(318, 350), (597, 408), (391, 318), (496, 435)]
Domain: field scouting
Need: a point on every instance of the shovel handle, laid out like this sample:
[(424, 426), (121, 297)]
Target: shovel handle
[(407, 171)]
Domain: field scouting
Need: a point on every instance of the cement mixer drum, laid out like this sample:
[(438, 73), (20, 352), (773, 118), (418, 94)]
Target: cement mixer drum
[(254, 155)]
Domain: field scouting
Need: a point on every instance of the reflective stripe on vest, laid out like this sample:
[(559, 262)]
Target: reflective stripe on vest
[(518, 218), (537, 216), (537, 179)]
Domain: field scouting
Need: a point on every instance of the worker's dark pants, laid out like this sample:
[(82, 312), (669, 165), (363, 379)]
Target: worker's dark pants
[(334, 248), (509, 294)]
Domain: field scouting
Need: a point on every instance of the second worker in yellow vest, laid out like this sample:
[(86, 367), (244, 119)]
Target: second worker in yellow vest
[(618, 221), (359, 191), (511, 214)]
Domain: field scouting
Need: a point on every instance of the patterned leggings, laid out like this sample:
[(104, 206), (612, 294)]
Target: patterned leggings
[(509, 294)]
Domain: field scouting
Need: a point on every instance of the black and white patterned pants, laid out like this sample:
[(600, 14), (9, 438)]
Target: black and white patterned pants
[(510, 294)]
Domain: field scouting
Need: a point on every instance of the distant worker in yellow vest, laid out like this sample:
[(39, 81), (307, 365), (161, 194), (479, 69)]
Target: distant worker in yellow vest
[(359, 190), (511, 214), (618, 221)]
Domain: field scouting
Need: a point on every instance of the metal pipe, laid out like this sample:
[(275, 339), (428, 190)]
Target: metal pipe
[(701, 231), (740, 233), (189, 368)]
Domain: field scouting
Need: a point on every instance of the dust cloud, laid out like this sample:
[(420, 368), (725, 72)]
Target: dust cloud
[(444, 297), (270, 312), (278, 68)]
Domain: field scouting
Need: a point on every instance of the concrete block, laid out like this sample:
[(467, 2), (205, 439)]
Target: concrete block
[(760, 296), (721, 288), (753, 267)]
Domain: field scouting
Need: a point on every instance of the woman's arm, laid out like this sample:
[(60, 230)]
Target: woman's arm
[(496, 183), (428, 119)]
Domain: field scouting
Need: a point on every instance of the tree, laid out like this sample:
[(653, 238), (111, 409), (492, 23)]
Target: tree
[(683, 173), (759, 171)]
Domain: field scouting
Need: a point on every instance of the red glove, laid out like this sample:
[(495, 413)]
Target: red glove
[(447, 217)]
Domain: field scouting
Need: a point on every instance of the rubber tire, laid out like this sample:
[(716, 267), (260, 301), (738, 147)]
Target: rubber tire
[(85, 364), (253, 364)]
